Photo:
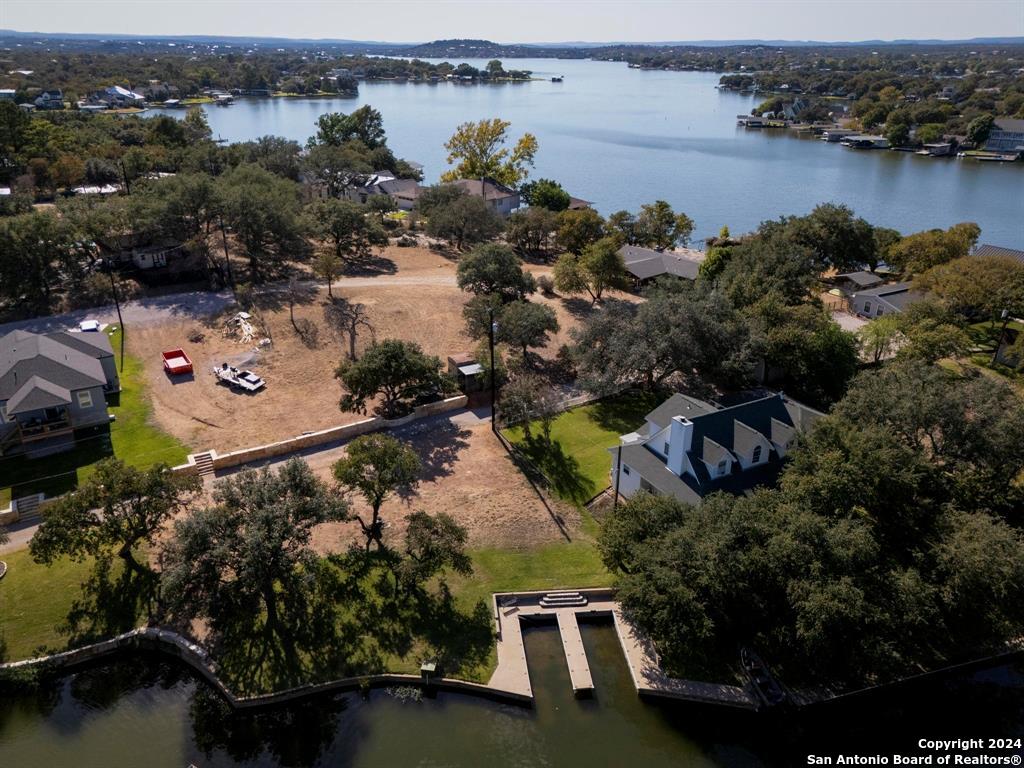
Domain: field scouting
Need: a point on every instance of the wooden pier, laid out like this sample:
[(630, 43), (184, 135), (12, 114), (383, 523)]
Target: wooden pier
[(575, 654), (512, 674)]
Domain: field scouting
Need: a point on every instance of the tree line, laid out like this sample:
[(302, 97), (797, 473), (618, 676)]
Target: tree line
[(277, 612)]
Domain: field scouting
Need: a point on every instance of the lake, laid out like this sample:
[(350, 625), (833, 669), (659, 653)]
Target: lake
[(143, 710), (622, 137)]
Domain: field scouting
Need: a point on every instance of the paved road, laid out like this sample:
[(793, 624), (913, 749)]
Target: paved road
[(140, 313), (194, 304)]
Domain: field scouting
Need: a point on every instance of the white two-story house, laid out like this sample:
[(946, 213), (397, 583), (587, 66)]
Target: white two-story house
[(689, 448)]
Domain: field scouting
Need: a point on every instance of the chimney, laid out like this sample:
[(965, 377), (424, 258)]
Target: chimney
[(680, 437)]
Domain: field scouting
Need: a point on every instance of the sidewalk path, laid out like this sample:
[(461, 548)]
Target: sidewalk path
[(19, 534)]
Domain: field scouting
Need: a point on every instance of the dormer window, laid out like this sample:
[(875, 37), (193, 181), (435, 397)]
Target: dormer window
[(755, 458), (722, 465)]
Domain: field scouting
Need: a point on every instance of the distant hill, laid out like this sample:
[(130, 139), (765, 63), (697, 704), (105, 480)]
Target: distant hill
[(453, 48)]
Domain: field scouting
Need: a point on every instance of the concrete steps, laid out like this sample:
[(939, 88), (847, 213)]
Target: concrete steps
[(27, 507), (204, 464), (564, 599)]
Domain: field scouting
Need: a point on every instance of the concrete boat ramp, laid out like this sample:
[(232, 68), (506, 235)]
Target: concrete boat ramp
[(566, 607)]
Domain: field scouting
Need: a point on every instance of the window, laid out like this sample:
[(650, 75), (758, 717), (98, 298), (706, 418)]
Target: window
[(878, 312), (85, 399), (756, 456), (625, 469), (722, 466), (867, 307)]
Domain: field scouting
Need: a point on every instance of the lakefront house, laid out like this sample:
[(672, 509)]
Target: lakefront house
[(689, 448), (51, 385)]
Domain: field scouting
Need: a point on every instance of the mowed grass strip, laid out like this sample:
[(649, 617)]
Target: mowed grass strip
[(576, 462)]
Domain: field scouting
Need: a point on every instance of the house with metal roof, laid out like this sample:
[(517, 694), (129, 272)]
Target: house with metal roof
[(689, 448), (1007, 135), (997, 250), (647, 264), (51, 385)]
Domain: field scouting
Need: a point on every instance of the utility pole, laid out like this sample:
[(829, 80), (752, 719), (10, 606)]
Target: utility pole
[(618, 474), (117, 304), (490, 336), (1002, 335), (227, 258)]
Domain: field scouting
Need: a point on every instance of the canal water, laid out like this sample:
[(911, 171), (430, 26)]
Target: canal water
[(142, 710), (622, 137)]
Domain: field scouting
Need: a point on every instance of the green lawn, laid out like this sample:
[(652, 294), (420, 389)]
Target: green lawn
[(131, 437), (35, 601), (568, 565), (576, 462), (986, 335)]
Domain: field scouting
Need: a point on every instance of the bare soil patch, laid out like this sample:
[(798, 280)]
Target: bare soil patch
[(468, 475), (409, 294)]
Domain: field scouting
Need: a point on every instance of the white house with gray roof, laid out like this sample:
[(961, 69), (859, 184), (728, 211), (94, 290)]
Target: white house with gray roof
[(689, 448), (51, 385), (884, 300)]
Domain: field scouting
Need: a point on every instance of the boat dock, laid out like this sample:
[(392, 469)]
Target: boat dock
[(575, 655), (512, 674)]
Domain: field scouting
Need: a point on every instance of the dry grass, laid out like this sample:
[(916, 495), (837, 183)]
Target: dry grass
[(411, 294)]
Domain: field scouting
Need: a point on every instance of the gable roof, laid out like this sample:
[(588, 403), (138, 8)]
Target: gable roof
[(862, 279), (404, 188), (678, 405), (645, 263), (720, 426), (24, 355), (654, 470), (997, 250), (896, 295), (37, 394), (90, 343), (488, 189)]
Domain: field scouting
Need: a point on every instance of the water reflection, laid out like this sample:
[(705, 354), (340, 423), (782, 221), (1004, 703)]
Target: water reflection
[(143, 709)]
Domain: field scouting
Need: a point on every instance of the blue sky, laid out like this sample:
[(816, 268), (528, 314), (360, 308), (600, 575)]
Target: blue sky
[(527, 20)]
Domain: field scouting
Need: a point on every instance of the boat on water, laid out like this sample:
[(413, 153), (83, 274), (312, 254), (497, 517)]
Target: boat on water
[(557, 79)]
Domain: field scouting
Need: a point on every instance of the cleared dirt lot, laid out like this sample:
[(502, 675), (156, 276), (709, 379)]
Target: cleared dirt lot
[(466, 473), (410, 295)]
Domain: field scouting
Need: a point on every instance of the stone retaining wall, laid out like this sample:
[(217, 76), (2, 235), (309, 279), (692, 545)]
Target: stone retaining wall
[(322, 437)]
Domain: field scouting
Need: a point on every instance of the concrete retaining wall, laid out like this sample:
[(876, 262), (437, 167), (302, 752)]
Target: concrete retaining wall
[(196, 657), (12, 514), (322, 437)]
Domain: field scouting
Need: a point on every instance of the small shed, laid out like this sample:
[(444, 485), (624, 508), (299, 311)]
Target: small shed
[(852, 282), (467, 372)]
